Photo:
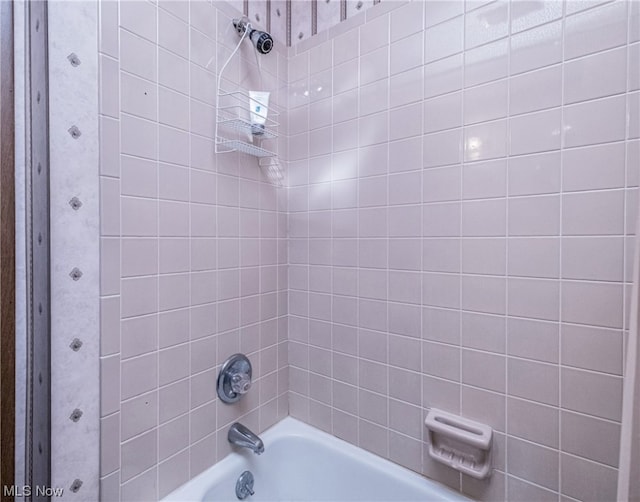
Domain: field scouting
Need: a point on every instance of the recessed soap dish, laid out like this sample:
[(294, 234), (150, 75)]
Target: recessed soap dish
[(460, 443)]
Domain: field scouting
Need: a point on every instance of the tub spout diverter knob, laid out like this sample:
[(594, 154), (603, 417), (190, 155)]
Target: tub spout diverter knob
[(244, 485)]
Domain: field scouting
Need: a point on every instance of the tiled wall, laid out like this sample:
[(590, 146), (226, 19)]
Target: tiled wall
[(462, 195), (462, 192), (193, 248)]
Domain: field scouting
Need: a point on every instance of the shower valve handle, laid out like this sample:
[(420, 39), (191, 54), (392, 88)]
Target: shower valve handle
[(240, 383), (234, 379)]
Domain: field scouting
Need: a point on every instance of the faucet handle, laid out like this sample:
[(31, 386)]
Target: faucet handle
[(240, 383), (234, 379)]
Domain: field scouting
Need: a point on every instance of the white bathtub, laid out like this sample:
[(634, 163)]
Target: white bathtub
[(301, 463)]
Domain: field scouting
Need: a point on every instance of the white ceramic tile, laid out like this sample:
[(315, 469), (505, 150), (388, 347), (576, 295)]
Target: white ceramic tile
[(486, 24), (404, 155), (484, 294), (533, 339), (345, 47), (407, 20), (138, 137), (544, 429), (598, 304), (536, 90), (485, 102), (534, 174), (441, 255), (578, 343), (593, 168), (634, 22), (534, 257), (405, 122), (579, 84), (484, 256), (581, 5), (443, 148), (374, 65), (173, 108), (606, 450), (633, 104), (486, 63), (173, 34), (536, 48), (139, 217), (441, 220), (176, 8), (406, 53), (138, 96), (534, 298), (374, 97), (173, 71), (538, 215), (373, 129), (407, 87), (484, 218), (139, 18), (137, 56), (523, 383), (374, 34), (530, 13), (484, 179), (470, 5), (441, 290), (533, 462), (109, 94), (536, 132), (441, 10), (443, 76), (483, 332), (485, 141), (405, 188), (441, 185), (109, 29), (596, 30), (443, 112), (604, 398), (595, 122), (109, 147), (594, 213), (444, 39)]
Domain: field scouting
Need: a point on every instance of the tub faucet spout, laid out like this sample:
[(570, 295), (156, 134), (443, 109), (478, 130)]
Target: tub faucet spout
[(239, 435)]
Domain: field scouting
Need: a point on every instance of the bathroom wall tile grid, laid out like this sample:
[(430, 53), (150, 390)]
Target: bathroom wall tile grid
[(193, 247), (462, 205), (371, 292)]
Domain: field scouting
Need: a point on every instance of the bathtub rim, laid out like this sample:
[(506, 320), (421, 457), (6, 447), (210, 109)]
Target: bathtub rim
[(196, 488)]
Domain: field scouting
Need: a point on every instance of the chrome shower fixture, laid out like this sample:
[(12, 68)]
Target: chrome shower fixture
[(261, 40)]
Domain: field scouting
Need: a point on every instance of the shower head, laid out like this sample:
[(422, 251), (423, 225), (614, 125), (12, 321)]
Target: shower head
[(261, 40)]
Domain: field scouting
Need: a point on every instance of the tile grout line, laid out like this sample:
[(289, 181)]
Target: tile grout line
[(506, 255), (461, 156), (561, 246)]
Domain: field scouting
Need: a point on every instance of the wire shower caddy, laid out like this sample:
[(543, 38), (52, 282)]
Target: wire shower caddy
[(235, 131)]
